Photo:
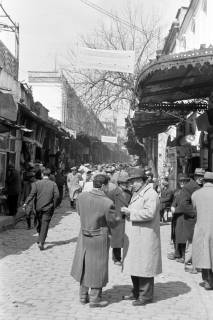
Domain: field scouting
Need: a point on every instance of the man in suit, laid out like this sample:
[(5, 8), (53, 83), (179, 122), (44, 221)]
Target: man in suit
[(45, 193), (90, 264)]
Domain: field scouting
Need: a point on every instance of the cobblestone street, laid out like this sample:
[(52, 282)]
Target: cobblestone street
[(36, 285)]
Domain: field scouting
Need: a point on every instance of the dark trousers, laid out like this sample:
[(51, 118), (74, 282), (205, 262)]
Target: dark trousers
[(29, 216), (207, 275), (12, 203), (143, 288), (61, 190), (44, 218), (180, 249), (116, 254)]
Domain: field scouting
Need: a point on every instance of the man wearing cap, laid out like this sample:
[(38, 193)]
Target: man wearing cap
[(121, 197), (202, 246), (165, 199), (143, 256), (90, 264), (88, 185), (73, 184)]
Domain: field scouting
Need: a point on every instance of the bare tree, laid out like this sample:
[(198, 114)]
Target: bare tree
[(100, 90)]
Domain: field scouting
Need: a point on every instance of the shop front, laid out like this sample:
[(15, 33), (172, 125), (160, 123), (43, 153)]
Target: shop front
[(168, 91)]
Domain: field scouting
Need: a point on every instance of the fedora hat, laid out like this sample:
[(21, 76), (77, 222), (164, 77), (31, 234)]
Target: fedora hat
[(199, 172), (123, 177), (208, 176), (137, 173)]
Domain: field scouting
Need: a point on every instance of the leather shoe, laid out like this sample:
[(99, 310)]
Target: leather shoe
[(41, 246), (99, 304), (140, 302), (207, 286), (131, 296), (84, 300)]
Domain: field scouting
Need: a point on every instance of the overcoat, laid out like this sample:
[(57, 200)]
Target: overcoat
[(142, 241), (184, 213), (73, 184), (90, 264), (202, 245), (120, 198)]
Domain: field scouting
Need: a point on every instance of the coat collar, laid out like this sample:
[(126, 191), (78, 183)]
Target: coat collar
[(207, 185), (97, 192), (141, 193)]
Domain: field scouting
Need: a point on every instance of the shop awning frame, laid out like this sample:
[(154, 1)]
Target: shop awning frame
[(175, 77)]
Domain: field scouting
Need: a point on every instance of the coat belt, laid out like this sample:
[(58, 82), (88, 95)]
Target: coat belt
[(93, 233)]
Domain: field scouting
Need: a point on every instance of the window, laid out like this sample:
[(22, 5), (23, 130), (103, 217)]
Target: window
[(204, 6)]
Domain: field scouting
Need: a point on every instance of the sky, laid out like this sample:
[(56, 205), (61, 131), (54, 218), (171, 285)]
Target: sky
[(48, 28)]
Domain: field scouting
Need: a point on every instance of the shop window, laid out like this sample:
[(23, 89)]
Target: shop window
[(204, 6)]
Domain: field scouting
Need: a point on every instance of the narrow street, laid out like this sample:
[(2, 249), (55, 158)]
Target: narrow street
[(36, 285)]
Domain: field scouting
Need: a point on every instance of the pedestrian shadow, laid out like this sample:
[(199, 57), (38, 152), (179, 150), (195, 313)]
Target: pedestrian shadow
[(59, 243), (162, 291), (23, 239)]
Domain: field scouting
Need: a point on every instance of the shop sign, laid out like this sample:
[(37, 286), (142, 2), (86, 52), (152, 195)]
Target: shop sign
[(111, 60), (109, 139), (8, 109)]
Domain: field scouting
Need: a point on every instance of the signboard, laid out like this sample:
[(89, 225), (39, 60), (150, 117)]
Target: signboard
[(109, 139), (111, 60)]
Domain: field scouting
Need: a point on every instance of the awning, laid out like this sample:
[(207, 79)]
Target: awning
[(176, 77), (150, 124), (7, 125), (8, 108)]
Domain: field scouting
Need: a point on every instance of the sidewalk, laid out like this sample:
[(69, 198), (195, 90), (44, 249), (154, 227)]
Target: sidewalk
[(7, 222)]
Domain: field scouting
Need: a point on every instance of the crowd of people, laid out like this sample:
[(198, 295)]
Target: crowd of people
[(121, 206)]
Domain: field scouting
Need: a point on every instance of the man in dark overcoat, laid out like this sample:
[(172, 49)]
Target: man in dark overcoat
[(121, 197), (165, 199), (90, 264), (13, 189), (45, 193)]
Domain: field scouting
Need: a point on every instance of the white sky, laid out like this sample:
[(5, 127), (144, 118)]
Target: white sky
[(49, 27)]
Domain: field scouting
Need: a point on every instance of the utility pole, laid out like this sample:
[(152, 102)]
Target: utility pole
[(11, 27)]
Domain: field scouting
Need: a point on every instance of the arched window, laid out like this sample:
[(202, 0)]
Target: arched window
[(204, 6)]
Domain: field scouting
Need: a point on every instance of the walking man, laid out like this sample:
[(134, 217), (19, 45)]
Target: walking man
[(45, 193), (202, 245), (143, 257), (90, 264)]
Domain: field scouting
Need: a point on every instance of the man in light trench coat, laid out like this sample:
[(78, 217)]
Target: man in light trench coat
[(90, 264), (202, 244), (143, 256)]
